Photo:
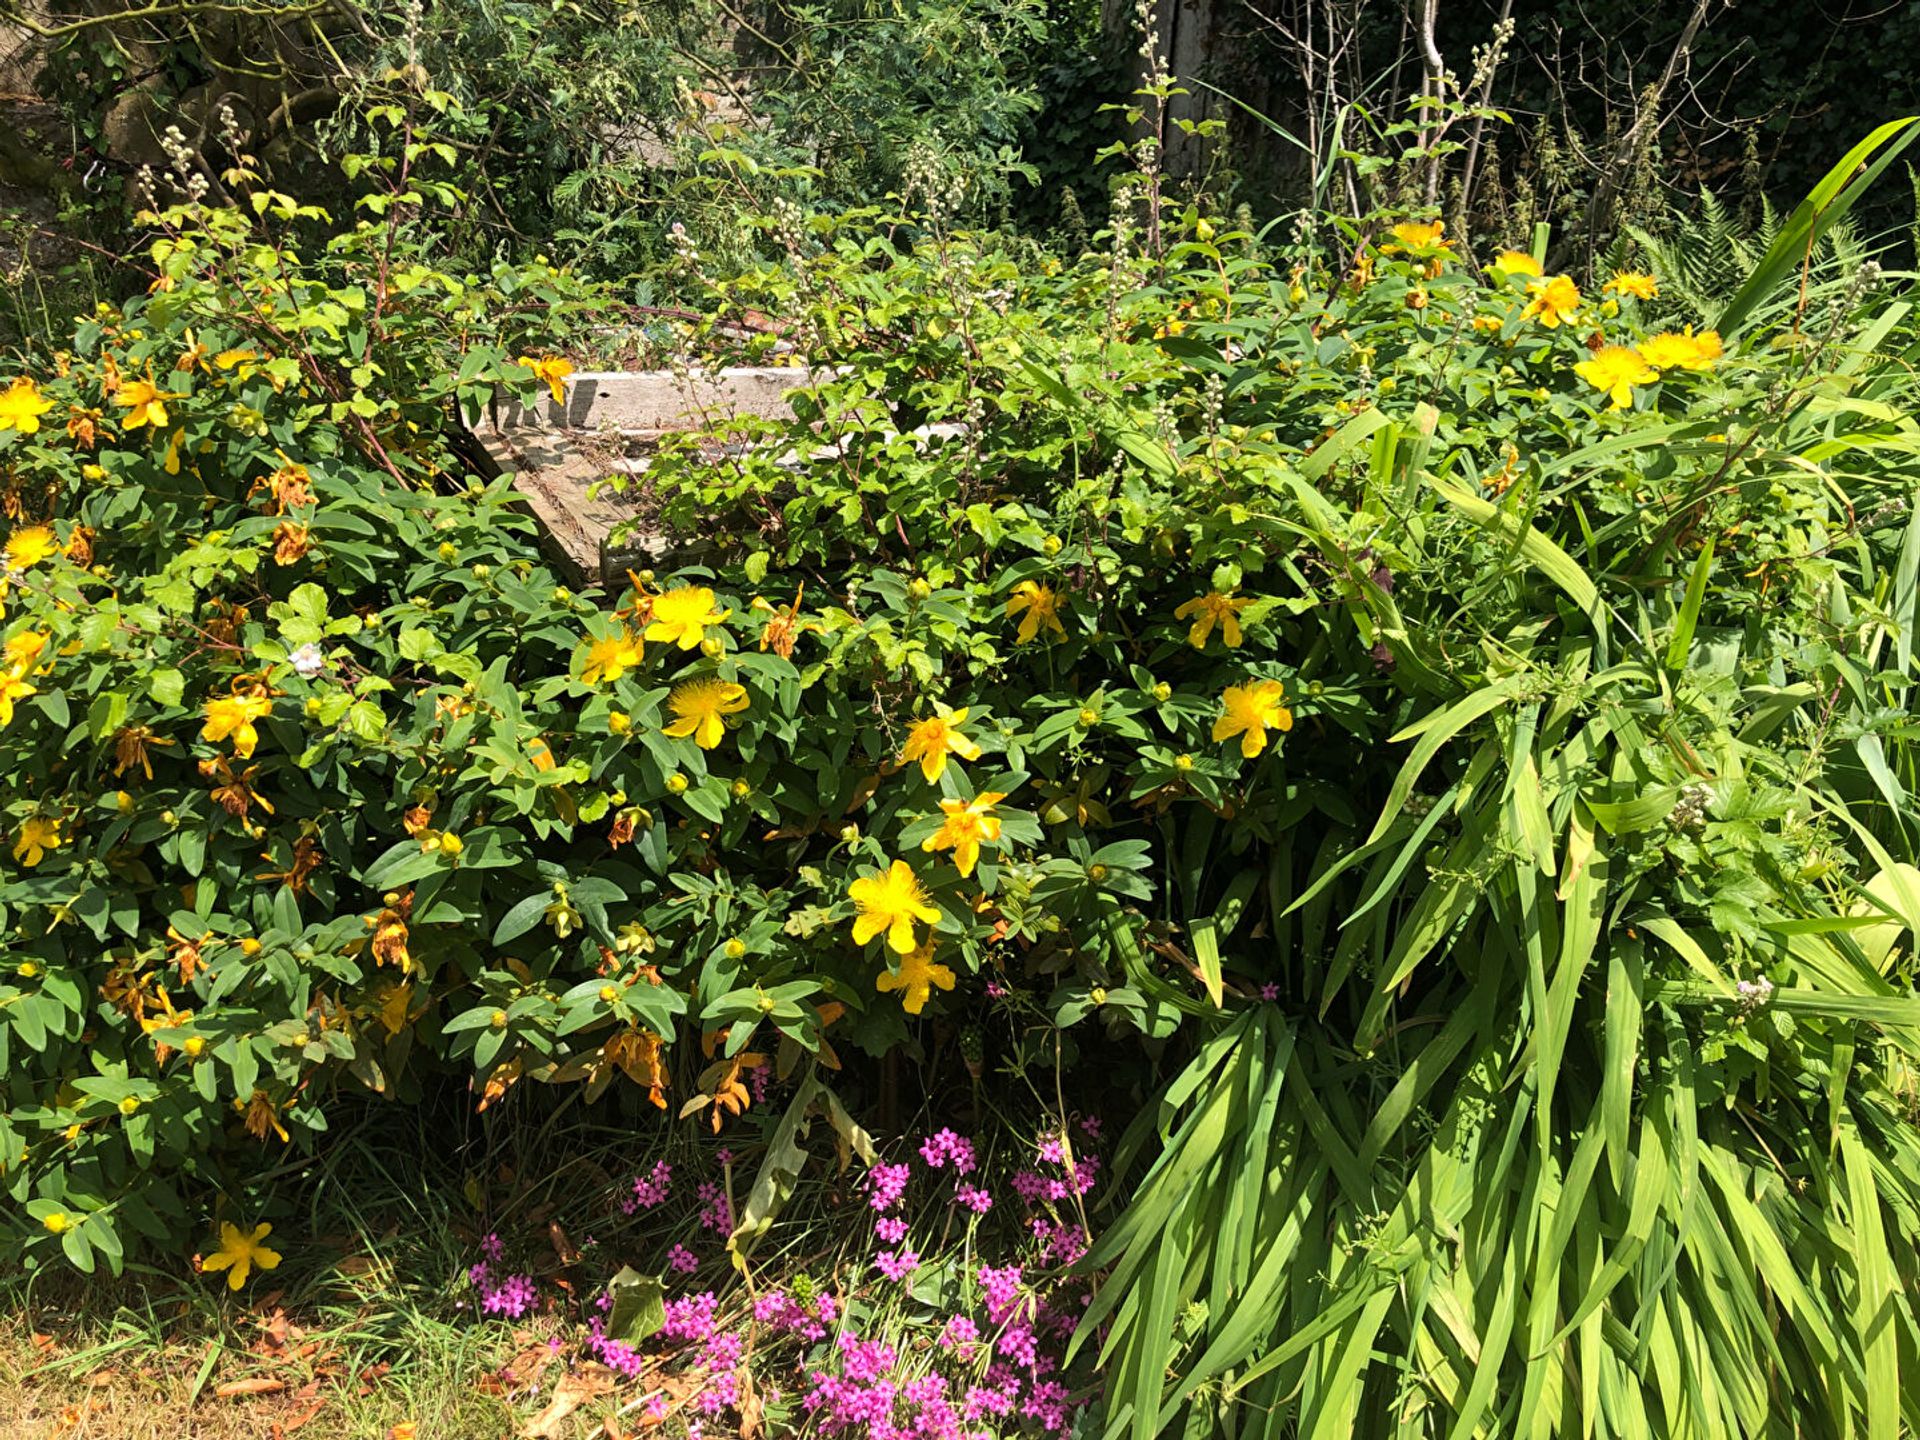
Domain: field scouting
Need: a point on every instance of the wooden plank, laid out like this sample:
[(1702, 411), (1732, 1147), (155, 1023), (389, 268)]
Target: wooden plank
[(656, 400)]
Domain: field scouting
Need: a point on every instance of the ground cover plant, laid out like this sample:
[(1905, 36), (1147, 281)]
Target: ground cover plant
[(1430, 734)]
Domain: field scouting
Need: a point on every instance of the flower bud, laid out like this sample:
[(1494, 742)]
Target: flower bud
[(676, 784)]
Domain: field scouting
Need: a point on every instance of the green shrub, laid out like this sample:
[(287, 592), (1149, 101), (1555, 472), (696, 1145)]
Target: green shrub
[(1461, 720)]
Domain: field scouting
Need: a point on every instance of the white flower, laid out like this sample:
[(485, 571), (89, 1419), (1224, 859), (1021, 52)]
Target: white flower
[(308, 661)]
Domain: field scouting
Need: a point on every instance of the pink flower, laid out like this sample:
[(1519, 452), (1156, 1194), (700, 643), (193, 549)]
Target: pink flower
[(658, 1408), (890, 1228), (682, 1259), (689, 1319), (650, 1189), (1090, 1126), (512, 1297), (896, 1265), (888, 1184), (1269, 991), (960, 1335), (973, 1197)]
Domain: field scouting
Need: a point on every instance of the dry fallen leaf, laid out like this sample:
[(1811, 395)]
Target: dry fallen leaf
[(569, 1395), (258, 1385), (405, 1430)]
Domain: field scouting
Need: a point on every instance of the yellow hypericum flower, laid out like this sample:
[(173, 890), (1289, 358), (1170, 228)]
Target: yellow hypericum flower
[(1509, 263), (700, 704), (21, 406), (38, 834), (233, 715), (681, 615), (1039, 608), (915, 978), (12, 688), (23, 650), (611, 656), (1632, 282), (29, 545), (889, 902), (1615, 370), (967, 823), (1554, 301), (1210, 610), (241, 1253), (553, 370), (144, 402), (931, 740), (1249, 711), (1681, 351), (1421, 236)]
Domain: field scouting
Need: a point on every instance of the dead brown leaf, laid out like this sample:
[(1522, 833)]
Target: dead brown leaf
[(255, 1385), (573, 1391), (405, 1430)]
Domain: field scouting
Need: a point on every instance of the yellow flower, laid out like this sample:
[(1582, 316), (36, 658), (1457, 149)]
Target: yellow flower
[(1041, 607), (233, 715), (30, 545), (21, 406), (144, 402), (931, 740), (553, 370), (241, 1253), (23, 650), (1210, 610), (1683, 351), (1615, 370), (1419, 235), (915, 978), (700, 704), (681, 615), (889, 902), (1249, 711), (12, 688), (38, 834), (967, 823), (1554, 301), (1509, 263), (1632, 282), (611, 657)]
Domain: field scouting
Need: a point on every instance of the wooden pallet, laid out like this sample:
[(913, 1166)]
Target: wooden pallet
[(604, 424)]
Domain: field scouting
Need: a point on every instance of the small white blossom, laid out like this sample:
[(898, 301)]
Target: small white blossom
[(308, 661)]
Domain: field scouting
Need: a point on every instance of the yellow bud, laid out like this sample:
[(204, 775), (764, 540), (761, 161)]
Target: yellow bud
[(1203, 229), (1050, 545), (1088, 717), (129, 1105), (1096, 873), (919, 589), (767, 1004), (1163, 692), (713, 647), (451, 844), (736, 948), (849, 834), (498, 1020), (1097, 995), (312, 706), (741, 789), (609, 994), (58, 1222), (249, 946), (27, 969), (1183, 762), (195, 1046), (619, 722), (448, 551), (676, 784), (169, 817), (123, 802)]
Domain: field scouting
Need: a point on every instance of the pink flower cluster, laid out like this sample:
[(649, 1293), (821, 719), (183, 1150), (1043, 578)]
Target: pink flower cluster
[(887, 1186), (716, 1213), (782, 1314), (938, 1149), (511, 1298), (651, 1189)]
